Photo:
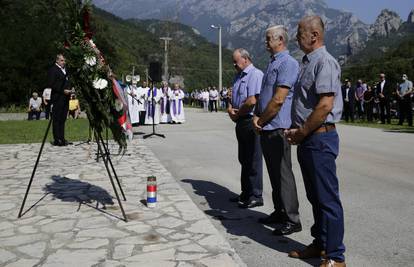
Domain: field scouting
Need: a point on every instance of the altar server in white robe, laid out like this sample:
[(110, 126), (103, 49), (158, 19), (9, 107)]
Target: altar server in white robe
[(176, 105), (141, 95), (132, 102), (164, 104), (153, 106)]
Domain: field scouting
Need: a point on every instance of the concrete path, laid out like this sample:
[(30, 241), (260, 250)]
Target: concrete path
[(75, 221), (376, 171)]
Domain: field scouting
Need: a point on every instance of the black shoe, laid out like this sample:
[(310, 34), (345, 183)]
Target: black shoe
[(235, 199), (66, 143), (251, 203), (272, 218), (56, 143), (288, 228), (239, 198)]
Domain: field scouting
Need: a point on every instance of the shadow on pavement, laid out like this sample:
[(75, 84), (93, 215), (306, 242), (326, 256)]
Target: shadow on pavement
[(71, 190), (242, 222)]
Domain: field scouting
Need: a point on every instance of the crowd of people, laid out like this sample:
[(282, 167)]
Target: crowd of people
[(210, 99), (147, 106), (380, 101), (38, 104)]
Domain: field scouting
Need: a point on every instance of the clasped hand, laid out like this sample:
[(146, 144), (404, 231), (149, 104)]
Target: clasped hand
[(295, 136), (256, 126), (233, 113)]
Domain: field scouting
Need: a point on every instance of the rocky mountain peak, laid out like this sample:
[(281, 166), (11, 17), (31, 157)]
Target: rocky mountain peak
[(387, 22), (411, 17)]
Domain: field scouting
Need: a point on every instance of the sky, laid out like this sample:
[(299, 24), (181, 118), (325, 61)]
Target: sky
[(368, 10)]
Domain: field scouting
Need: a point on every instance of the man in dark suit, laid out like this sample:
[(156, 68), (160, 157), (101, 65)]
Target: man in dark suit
[(348, 96), (57, 79), (384, 93)]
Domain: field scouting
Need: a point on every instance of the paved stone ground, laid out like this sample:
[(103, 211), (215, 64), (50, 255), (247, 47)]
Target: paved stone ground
[(65, 227)]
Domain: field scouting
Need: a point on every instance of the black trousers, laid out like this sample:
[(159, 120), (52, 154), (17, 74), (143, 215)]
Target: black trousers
[(142, 117), (385, 110), (47, 110), (33, 112), (359, 108), (369, 110), (277, 154), (406, 111), (213, 105), (59, 114), (348, 111), (250, 158)]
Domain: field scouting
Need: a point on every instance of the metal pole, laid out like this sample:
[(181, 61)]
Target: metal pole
[(166, 40), (220, 63)]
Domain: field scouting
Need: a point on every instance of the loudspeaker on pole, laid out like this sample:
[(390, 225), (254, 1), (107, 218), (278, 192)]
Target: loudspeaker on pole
[(155, 71)]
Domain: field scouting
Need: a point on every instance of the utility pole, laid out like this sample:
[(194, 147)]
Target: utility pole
[(220, 58), (166, 40)]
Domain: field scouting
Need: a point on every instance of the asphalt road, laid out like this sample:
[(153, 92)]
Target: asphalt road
[(376, 171)]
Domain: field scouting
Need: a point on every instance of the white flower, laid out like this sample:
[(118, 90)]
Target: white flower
[(91, 61), (100, 84), (118, 105), (92, 43)]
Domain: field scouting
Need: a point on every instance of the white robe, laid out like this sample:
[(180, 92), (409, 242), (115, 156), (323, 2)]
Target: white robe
[(165, 116), (150, 108), (132, 103), (141, 96), (176, 106)]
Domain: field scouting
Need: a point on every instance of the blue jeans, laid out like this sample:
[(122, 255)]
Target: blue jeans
[(316, 155)]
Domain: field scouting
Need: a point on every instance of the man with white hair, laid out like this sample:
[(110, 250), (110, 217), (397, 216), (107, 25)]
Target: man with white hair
[(247, 84), (272, 118), (176, 97), (35, 104)]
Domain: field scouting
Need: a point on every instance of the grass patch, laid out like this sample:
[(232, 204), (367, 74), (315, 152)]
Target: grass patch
[(15, 132), (13, 109), (393, 127)]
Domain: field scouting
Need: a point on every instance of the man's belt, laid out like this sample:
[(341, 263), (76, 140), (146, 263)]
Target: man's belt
[(324, 128)]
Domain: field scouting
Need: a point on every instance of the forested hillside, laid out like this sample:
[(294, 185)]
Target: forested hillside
[(32, 31), (393, 55)]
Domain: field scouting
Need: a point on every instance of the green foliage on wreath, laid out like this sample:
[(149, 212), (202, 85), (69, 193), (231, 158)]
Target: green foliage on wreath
[(91, 76)]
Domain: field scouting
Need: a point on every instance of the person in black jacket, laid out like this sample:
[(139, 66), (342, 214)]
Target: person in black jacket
[(348, 96), (58, 80), (384, 94)]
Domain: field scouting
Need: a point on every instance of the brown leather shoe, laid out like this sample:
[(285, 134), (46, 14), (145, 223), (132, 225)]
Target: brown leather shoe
[(310, 251), (331, 263)]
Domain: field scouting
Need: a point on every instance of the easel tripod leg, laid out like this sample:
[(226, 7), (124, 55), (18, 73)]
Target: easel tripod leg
[(106, 150), (35, 167), (99, 139)]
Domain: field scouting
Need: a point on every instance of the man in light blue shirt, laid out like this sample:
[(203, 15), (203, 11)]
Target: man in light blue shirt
[(316, 107), (246, 87), (404, 92), (273, 117)]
